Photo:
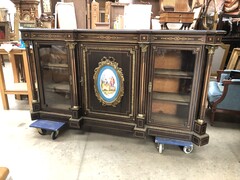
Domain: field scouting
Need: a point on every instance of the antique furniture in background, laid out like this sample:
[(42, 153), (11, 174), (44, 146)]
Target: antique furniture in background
[(219, 59), (224, 94), (230, 22), (65, 20), (28, 12), (234, 61), (180, 13), (94, 14), (5, 31), (137, 82), (25, 16), (3, 14), (45, 21), (17, 87), (116, 10), (47, 7)]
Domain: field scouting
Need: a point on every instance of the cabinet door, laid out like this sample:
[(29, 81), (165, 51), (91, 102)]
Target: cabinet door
[(110, 77), (171, 87), (53, 77)]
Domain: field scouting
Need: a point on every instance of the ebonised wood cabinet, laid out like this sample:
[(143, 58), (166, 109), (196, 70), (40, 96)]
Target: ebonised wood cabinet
[(140, 82)]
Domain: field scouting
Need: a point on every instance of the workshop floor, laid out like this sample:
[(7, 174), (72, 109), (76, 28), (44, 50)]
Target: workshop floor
[(79, 155), (76, 154)]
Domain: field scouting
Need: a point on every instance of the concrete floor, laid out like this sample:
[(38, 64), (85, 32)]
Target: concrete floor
[(79, 155), (89, 155)]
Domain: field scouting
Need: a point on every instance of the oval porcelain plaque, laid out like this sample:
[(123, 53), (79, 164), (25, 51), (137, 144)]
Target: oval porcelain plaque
[(108, 82)]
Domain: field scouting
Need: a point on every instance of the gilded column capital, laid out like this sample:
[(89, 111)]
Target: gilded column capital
[(71, 45), (211, 49), (144, 47)]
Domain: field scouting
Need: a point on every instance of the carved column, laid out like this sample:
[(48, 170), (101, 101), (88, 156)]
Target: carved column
[(140, 129), (142, 99), (211, 50), (75, 120)]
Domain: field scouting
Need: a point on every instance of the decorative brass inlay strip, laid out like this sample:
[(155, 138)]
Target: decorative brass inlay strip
[(91, 37), (47, 35), (51, 36), (178, 38)]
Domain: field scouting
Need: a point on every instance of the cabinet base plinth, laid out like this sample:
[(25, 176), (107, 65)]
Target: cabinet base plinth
[(75, 123), (35, 115), (200, 140), (200, 127), (139, 132), (36, 106), (76, 112)]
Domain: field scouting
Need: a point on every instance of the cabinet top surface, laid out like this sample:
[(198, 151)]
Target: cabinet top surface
[(125, 36), (122, 31)]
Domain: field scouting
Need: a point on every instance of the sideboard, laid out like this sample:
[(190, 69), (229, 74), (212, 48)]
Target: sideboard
[(142, 82)]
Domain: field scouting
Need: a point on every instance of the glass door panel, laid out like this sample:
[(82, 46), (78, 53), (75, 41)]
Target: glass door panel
[(171, 86), (55, 76)]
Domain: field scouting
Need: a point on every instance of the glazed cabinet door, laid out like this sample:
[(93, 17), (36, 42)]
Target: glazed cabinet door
[(109, 75), (53, 77), (174, 86)]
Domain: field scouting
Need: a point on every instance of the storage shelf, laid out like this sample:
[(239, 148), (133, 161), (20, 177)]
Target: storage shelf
[(168, 119), (55, 66), (173, 73), (57, 87), (178, 98)]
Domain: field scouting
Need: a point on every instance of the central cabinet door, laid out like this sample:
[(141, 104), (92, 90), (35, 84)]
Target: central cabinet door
[(109, 81), (174, 86)]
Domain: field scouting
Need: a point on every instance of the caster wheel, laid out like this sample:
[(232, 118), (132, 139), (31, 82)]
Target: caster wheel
[(160, 148), (54, 134), (188, 149), (42, 131)]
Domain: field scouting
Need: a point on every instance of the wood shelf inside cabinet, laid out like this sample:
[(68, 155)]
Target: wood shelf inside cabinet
[(57, 87), (55, 66), (167, 118), (177, 98), (173, 73)]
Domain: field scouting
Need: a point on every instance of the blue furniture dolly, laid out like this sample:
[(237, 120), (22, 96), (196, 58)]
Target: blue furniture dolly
[(187, 146), (45, 125)]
